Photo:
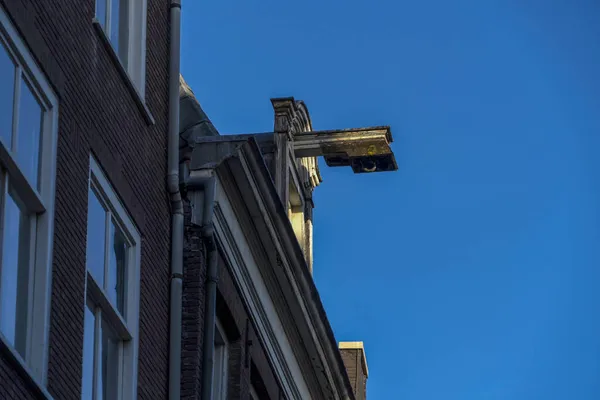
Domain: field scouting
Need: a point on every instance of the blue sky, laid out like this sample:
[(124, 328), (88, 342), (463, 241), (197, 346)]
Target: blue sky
[(472, 272)]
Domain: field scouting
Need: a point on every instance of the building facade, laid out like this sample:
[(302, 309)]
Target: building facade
[(84, 289), (93, 302), (253, 194)]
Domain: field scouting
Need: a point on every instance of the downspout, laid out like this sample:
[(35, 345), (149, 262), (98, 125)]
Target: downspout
[(201, 187), (177, 222)]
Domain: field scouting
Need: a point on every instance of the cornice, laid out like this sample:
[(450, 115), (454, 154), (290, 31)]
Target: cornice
[(293, 286), (266, 254)]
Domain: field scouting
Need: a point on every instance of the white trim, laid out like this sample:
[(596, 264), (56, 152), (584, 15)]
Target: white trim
[(108, 197), (261, 306), (42, 274)]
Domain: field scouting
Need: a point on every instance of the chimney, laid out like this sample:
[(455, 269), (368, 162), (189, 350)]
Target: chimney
[(355, 361)]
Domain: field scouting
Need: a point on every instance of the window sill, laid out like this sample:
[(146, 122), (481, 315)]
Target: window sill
[(137, 97), (22, 369)]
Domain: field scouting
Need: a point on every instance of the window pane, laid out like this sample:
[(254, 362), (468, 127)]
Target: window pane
[(114, 24), (14, 284), (220, 372), (96, 237), (119, 18), (89, 322), (216, 378), (117, 267), (28, 138), (108, 382), (7, 88), (101, 12)]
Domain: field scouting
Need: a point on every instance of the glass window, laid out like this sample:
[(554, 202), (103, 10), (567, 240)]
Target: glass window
[(96, 238), (15, 273), (110, 339), (89, 323), (28, 137), (28, 116), (101, 7), (122, 20), (113, 15), (7, 94), (220, 366), (117, 267), (109, 362)]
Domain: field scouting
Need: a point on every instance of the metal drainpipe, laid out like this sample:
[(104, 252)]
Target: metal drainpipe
[(176, 206), (201, 185)]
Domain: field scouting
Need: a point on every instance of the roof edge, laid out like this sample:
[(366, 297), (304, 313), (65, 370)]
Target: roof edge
[(301, 271), (356, 346)]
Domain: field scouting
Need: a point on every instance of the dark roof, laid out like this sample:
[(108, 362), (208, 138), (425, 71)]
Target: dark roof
[(192, 119)]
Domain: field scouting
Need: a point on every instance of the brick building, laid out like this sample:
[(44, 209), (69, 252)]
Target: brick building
[(254, 192), (117, 285), (84, 123)]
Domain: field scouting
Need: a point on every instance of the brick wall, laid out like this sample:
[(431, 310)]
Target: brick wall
[(97, 114), (194, 277), (247, 364)]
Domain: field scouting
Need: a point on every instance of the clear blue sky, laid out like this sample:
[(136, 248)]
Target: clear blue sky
[(472, 273)]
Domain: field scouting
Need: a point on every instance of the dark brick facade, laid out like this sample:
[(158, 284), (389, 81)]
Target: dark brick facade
[(97, 114), (247, 363), (194, 276)]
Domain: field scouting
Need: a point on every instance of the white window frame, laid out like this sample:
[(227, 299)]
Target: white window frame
[(221, 360), (126, 326), (40, 201), (135, 64)]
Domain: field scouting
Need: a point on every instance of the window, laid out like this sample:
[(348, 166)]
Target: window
[(28, 126), (112, 302), (124, 23), (220, 366)]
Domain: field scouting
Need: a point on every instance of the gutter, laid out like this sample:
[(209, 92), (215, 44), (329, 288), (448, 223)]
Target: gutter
[(177, 222)]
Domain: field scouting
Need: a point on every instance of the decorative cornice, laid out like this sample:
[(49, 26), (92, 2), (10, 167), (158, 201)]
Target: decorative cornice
[(271, 241), (266, 255), (294, 276)]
